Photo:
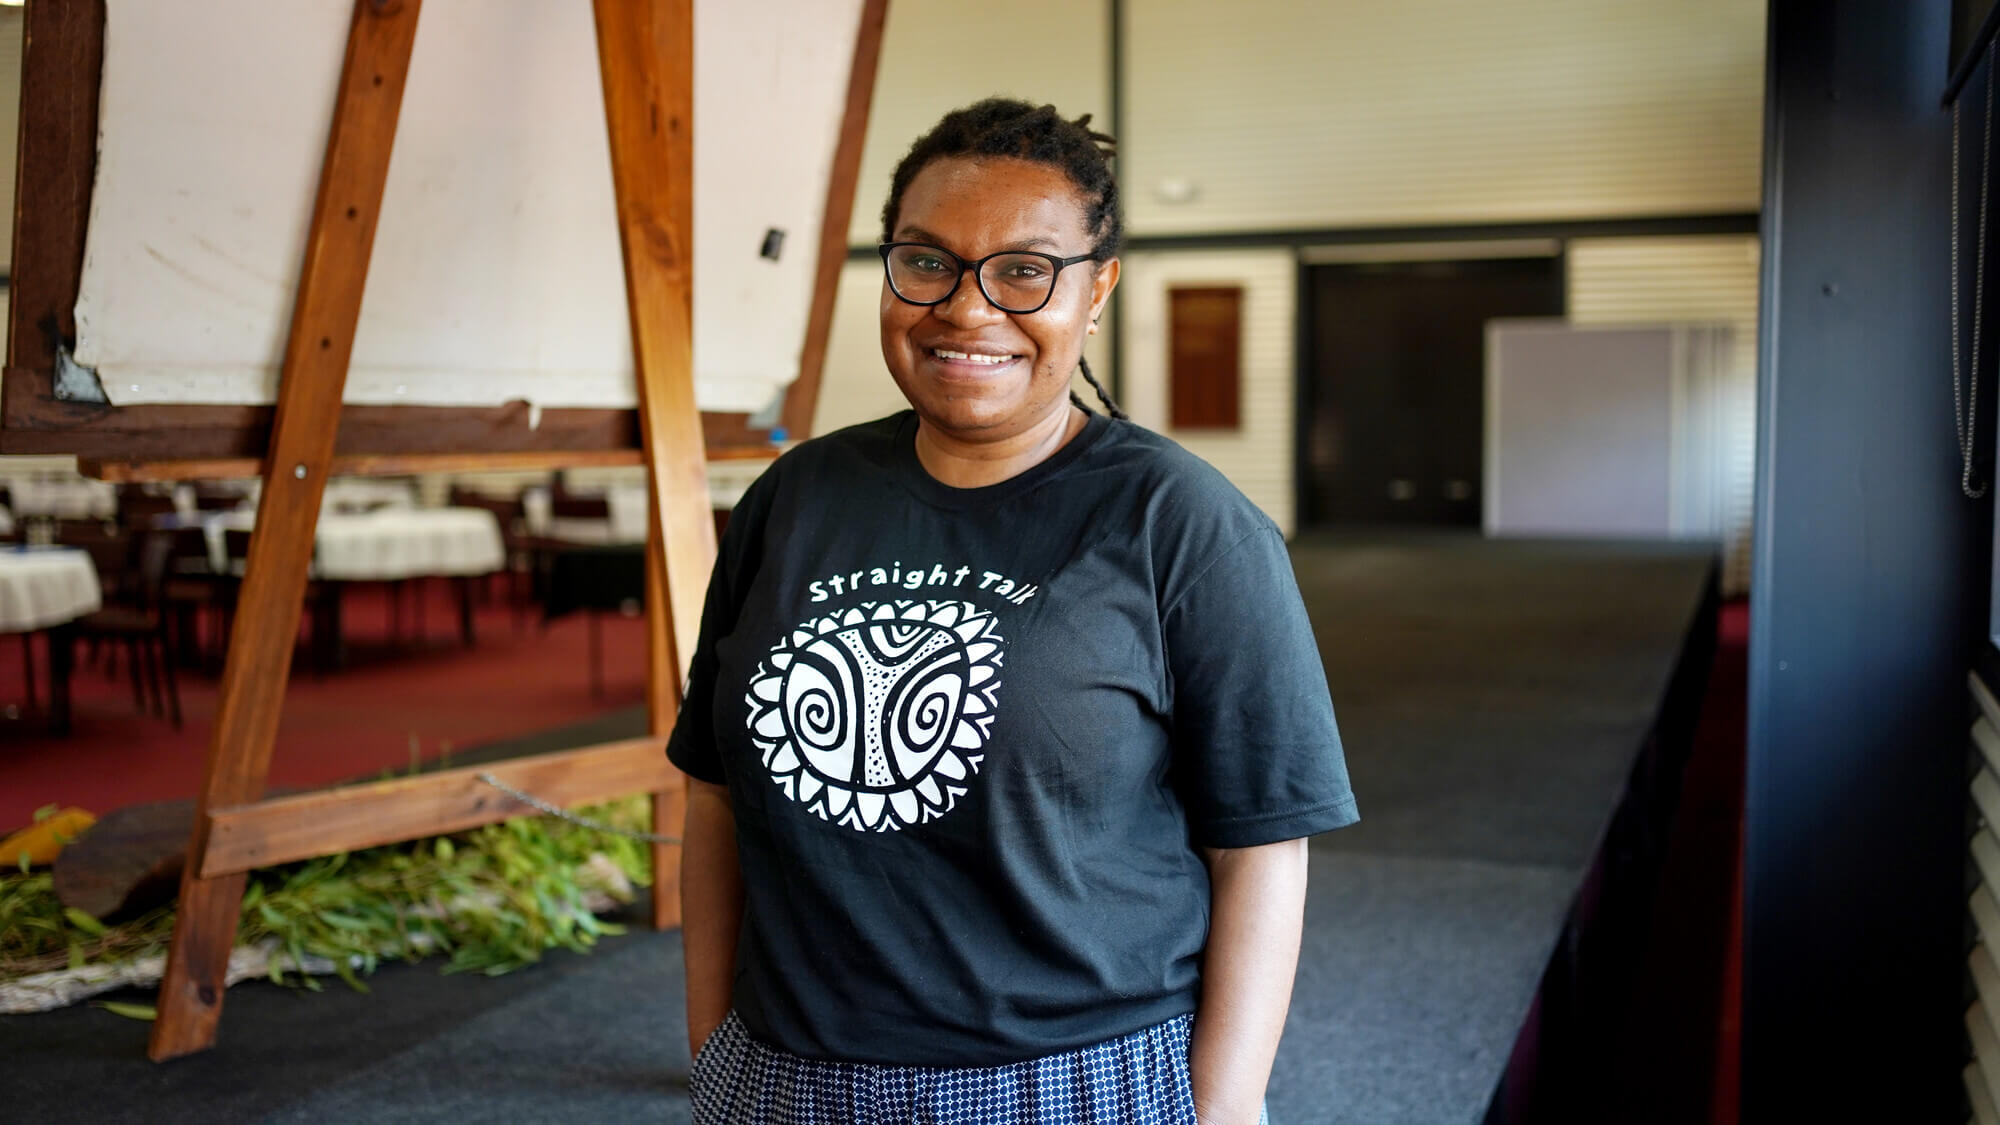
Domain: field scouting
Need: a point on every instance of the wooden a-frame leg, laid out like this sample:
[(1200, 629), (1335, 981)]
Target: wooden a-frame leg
[(302, 440), (645, 51), (662, 702)]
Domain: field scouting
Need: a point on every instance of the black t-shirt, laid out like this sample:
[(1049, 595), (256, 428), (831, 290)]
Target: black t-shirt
[(972, 738)]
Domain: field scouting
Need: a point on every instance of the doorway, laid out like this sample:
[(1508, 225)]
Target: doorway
[(1393, 384)]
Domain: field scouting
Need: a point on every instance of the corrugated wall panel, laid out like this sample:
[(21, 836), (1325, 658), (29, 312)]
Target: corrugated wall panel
[(1258, 457), (10, 124), (1651, 280), (1361, 113), (938, 55)]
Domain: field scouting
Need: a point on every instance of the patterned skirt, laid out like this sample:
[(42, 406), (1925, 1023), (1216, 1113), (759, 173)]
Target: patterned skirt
[(1137, 1079)]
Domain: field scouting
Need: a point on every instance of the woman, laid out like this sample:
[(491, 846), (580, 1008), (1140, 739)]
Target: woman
[(1006, 725)]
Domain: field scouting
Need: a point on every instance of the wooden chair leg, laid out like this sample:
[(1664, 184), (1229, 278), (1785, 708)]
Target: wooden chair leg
[(166, 643), (28, 666), (596, 654), (467, 630), (146, 646), (137, 674)]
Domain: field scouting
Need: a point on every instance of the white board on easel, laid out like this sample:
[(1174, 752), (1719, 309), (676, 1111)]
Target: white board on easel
[(497, 274)]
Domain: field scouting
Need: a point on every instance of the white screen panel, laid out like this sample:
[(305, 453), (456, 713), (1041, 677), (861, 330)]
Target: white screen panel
[(1711, 279)]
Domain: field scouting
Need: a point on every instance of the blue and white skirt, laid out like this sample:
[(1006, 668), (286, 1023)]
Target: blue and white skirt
[(1137, 1079)]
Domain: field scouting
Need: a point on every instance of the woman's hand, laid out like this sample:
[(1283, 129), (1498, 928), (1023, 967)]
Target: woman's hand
[(711, 907), (1258, 898)]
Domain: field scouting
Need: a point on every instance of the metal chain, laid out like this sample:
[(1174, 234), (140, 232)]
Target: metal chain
[(1964, 398), (564, 814)]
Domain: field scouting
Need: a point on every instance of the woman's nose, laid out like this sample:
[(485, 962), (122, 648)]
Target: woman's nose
[(968, 304)]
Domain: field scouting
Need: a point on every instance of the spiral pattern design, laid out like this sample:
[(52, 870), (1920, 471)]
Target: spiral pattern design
[(876, 717)]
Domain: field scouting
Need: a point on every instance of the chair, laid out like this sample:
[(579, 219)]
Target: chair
[(321, 602), (520, 547), (110, 549), (136, 509), (193, 586), (145, 629), (217, 498)]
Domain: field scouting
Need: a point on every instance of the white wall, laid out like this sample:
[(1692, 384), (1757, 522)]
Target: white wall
[(1710, 279), (1258, 456), (1364, 112)]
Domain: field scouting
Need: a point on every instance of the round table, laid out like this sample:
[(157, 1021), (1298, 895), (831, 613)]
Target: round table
[(389, 544), (45, 586)]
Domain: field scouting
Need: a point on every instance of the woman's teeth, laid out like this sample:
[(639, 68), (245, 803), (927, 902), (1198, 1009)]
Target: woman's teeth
[(946, 353)]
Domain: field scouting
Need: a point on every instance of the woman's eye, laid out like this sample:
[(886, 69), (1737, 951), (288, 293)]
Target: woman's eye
[(927, 264), (1026, 271)]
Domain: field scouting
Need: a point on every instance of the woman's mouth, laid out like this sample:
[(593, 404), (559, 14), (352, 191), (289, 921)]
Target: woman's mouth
[(970, 359)]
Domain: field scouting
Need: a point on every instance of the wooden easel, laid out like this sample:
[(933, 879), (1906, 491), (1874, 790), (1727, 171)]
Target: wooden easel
[(645, 50)]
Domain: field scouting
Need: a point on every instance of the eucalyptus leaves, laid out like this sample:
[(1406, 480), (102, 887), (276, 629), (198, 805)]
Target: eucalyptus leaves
[(490, 900)]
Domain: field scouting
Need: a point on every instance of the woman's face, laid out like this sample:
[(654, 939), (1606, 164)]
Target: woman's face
[(943, 356)]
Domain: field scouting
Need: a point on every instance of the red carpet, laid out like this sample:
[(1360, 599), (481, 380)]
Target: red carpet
[(361, 720), (1678, 1054)]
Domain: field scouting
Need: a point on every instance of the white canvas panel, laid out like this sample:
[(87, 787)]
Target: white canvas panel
[(496, 273)]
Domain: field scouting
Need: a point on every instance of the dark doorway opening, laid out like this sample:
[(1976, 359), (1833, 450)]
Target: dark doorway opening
[(1392, 405)]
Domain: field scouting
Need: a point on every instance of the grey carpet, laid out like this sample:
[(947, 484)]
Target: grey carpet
[(1492, 696)]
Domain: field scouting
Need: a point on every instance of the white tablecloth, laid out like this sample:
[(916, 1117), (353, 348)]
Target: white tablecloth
[(79, 499), (44, 586), (390, 544), (626, 525), (727, 481)]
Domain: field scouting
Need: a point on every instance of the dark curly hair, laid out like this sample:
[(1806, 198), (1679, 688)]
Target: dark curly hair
[(1009, 127)]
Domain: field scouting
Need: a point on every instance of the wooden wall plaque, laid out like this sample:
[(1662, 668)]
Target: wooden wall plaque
[(1204, 350)]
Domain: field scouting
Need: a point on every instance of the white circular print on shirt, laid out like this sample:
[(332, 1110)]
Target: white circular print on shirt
[(876, 717)]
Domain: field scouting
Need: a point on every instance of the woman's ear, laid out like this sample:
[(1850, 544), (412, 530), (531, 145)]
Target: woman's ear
[(1100, 290)]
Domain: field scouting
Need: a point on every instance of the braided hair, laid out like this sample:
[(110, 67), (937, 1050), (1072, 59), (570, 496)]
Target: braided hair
[(1009, 127)]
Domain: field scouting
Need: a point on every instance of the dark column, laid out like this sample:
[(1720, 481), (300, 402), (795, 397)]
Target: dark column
[(1869, 587)]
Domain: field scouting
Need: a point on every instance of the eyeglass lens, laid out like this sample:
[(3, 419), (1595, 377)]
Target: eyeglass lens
[(1015, 282)]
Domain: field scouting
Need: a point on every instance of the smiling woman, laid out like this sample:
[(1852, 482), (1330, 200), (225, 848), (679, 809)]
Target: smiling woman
[(1006, 726)]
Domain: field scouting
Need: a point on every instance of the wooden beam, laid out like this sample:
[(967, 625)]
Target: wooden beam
[(645, 52), (802, 397), (663, 700), (143, 434), (288, 829), (62, 53), (365, 465), (324, 315), (376, 464)]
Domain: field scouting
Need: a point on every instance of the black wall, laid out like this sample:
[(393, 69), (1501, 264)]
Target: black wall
[(1869, 585)]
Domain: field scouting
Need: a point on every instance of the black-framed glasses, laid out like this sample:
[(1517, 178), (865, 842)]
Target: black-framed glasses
[(1015, 281)]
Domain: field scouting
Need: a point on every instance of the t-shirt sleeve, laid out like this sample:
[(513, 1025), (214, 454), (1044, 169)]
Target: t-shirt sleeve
[(691, 746), (1257, 755)]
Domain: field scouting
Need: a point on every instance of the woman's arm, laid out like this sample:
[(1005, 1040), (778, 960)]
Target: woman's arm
[(711, 907), (1258, 898)]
